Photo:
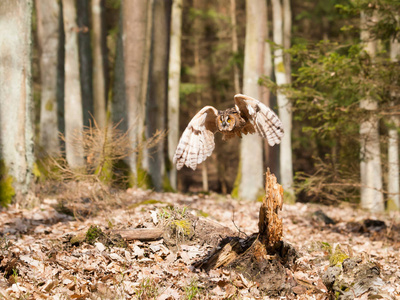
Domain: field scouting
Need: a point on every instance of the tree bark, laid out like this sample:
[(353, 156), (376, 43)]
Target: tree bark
[(48, 14), (285, 107), (173, 85), (370, 153), (158, 89), (16, 105), (393, 147), (85, 59), (99, 74), (136, 15), (251, 156), (235, 48), (73, 97)]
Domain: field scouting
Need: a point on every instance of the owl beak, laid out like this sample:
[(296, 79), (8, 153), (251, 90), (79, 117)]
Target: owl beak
[(224, 123)]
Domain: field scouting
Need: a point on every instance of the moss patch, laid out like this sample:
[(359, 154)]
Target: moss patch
[(7, 191), (391, 205), (235, 190)]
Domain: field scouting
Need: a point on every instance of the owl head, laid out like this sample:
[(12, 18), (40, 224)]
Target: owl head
[(226, 121)]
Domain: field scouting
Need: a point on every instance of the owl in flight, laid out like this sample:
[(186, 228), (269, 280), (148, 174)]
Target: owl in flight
[(248, 116)]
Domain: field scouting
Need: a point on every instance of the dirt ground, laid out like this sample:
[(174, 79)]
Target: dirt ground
[(38, 260)]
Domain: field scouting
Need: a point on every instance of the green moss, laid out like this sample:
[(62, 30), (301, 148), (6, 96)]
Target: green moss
[(182, 227), (49, 105), (167, 184), (105, 173), (391, 205), (281, 67), (337, 257), (93, 233), (235, 190), (7, 191), (202, 213), (143, 179)]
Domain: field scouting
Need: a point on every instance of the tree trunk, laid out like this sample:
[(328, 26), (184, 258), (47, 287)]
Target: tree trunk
[(16, 105), (136, 48), (285, 107), (393, 147), (370, 165), (174, 79), (235, 48), (287, 30), (85, 59), (47, 12), (99, 74), (158, 89), (251, 156), (73, 97)]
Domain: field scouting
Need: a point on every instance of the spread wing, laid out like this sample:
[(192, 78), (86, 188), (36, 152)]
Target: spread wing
[(264, 120), (197, 141)]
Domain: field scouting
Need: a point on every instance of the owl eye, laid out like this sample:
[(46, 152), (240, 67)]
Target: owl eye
[(229, 120)]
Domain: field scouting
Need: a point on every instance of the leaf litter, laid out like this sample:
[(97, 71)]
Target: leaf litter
[(38, 261)]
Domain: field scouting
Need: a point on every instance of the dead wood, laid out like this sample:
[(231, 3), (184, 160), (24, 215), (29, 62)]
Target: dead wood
[(141, 234), (263, 257)]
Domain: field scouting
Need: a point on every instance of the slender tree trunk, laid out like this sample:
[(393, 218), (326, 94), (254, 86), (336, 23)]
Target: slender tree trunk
[(235, 48), (285, 107), (251, 156), (370, 165), (136, 48), (73, 97), (287, 34), (85, 59), (16, 105), (158, 88), (48, 15), (393, 147), (173, 85), (99, 74)]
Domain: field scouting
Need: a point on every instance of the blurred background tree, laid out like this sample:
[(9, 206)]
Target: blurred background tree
[(147, 66)]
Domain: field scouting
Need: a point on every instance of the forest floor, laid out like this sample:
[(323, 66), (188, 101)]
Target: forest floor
[(38, 261)]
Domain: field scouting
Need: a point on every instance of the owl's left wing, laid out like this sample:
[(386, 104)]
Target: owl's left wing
[(264, 120), (197, 141)]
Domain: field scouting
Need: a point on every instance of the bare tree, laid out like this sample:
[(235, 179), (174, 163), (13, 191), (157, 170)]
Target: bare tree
[(16, 105), (370, 165), (251, 156), (174, 77), (285, 107), (393, 147), (99, 77), (136, 15), (48, 15), (158, 89), (73, 97)]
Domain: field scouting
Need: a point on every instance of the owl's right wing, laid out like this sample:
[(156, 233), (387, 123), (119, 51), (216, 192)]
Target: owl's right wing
[(197, 141)]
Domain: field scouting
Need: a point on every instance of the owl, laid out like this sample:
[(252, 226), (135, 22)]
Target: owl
[(248, 116)]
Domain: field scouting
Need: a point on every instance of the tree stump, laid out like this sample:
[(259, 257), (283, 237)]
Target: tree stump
[(262, 257)]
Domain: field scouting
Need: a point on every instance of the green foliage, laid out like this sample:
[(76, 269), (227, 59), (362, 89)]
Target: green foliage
[(7, 191), (147, 289), (93, 233), (192, 290), (337, 257)]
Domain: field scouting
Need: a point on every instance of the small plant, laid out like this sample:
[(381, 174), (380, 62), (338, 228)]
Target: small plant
[(192, 290), (177, 220), (147, 289), (93, 233)]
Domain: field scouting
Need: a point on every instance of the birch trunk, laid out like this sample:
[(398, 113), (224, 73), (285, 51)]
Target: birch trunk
[(251, 156), (393, 147), (16, 105), (48, 15), (370, 153), (174, 79), (99, 77), (136, 16), (285, 107), (73, 98), (158, 88)]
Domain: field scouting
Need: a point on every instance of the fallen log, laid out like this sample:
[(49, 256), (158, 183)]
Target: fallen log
[(141, 234)]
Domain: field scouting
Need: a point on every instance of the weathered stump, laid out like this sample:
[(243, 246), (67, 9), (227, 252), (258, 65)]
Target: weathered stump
[(263, 257)]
